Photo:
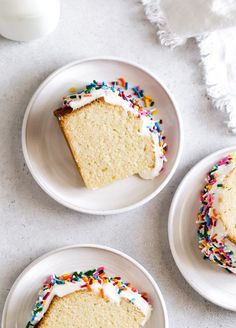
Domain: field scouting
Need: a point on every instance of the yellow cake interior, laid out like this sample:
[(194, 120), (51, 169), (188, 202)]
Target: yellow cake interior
[(227, 204), (106, 143), (83, 309)]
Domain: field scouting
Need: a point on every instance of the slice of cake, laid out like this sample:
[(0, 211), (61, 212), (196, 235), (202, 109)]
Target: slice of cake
[(110, 135), (217, 216), (89, 299)]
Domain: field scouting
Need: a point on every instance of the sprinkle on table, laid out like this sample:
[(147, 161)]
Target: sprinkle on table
[(73, 89)]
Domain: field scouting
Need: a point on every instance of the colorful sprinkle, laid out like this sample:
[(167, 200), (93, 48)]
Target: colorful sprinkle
[(211, 244), (154, 112), (73, 90), (122, 82)]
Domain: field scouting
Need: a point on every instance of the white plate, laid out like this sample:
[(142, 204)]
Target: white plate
[(48, 157), (19, 303), (209, 280)]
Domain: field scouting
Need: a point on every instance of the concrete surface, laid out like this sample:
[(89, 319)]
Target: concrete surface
[(31, 222)]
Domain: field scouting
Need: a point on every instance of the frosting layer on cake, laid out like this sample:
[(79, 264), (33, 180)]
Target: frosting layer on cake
[(214, 238), (95, 281)]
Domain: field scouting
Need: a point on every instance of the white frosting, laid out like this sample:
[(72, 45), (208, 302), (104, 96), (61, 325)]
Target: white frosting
[(110, 291), (112, 97), (215, 191)]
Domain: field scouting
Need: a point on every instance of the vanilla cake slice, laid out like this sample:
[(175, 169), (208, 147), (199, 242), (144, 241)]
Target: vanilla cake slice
[(110, 135), (87, 300)]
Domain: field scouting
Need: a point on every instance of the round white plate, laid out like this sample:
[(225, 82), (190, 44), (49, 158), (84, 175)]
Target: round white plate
[(209, 280), (49, 159), (22, 296)]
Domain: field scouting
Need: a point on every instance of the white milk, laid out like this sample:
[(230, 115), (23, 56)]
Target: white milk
[(25, 20)]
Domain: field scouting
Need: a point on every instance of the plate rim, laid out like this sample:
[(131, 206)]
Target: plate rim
[(86, 245), (58, 198), (174, 204)]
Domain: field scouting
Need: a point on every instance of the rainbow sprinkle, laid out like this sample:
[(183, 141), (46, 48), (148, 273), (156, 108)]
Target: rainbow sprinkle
[(73, 90), (212, 247)]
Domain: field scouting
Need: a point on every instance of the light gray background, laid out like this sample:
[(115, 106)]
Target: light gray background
[(31, 222)]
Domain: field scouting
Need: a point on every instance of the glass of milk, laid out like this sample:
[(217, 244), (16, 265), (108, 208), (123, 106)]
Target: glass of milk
[(25, 20)]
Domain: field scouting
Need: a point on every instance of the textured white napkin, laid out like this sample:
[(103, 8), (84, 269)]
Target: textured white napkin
[(212, 23)]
